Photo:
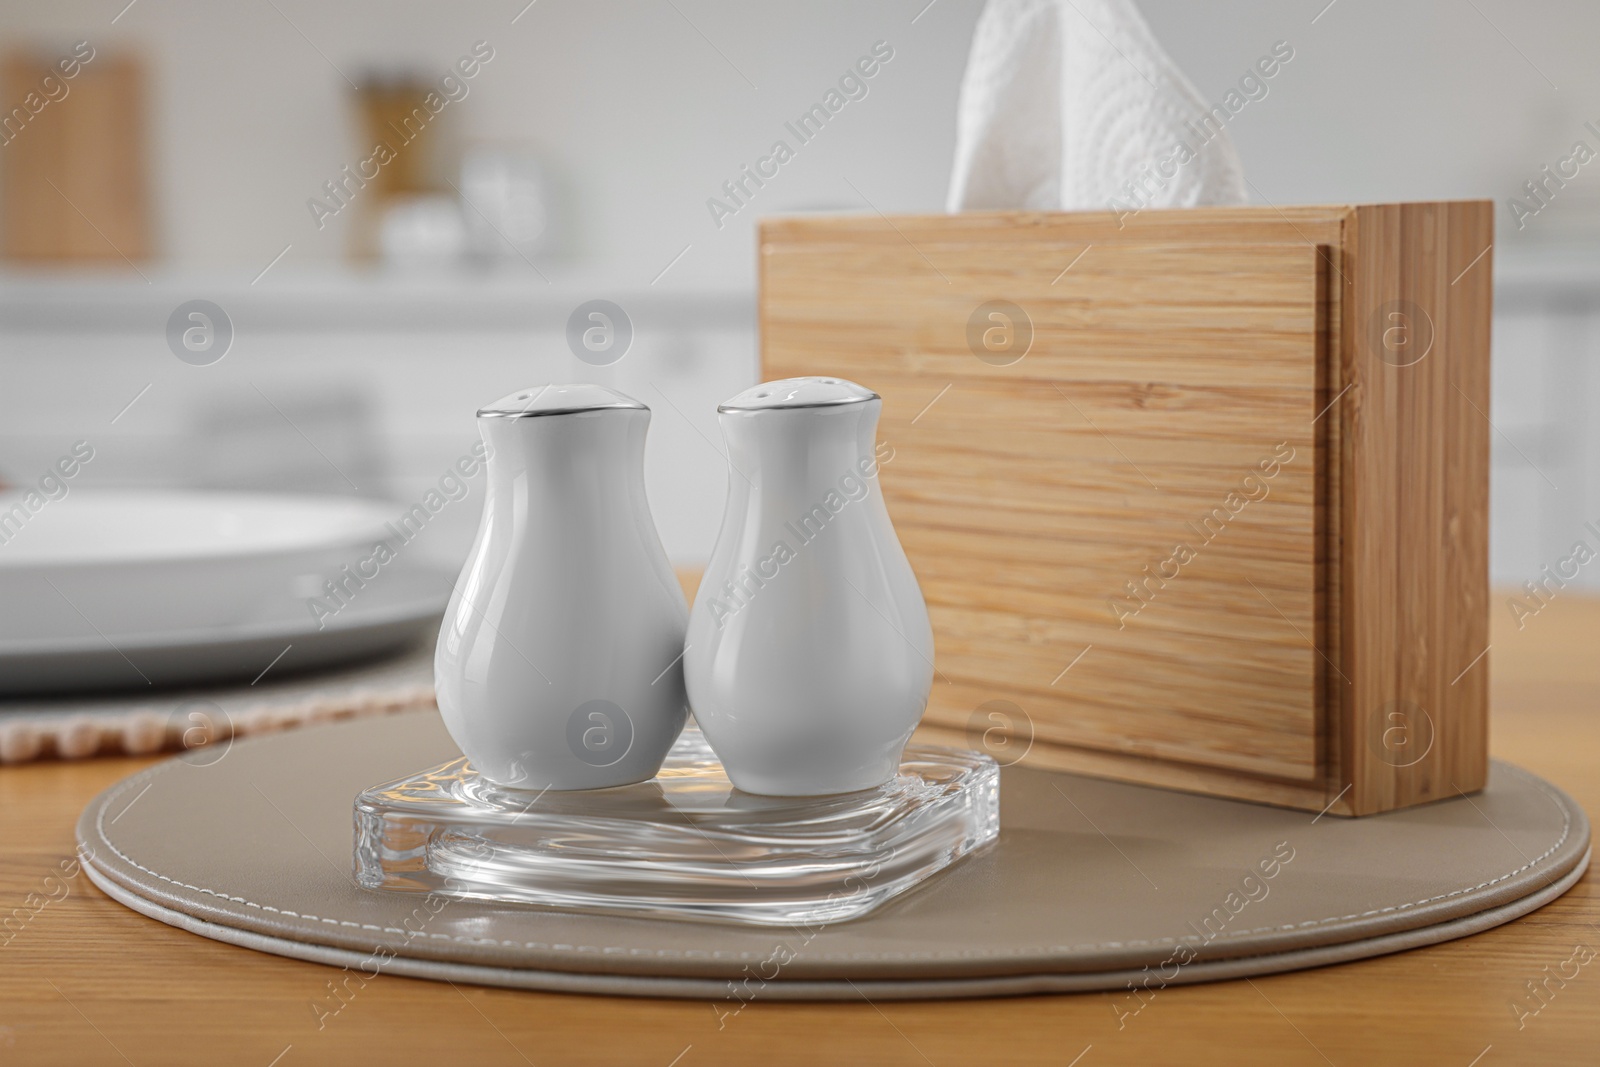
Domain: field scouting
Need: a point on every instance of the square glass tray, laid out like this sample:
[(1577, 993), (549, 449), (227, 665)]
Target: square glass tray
[(686, 844)]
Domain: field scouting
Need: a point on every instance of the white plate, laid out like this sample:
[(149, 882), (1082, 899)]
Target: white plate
[(112, 589)]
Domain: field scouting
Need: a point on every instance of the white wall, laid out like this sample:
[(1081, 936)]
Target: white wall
[(1427, 99), (641, 108), (641, 117)]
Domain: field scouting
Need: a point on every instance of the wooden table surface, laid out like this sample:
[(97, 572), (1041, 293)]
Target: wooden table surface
[(85, 981)]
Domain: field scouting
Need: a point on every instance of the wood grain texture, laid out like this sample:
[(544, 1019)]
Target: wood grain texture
[(73, 172), (1104, 478), (86, 982), (1415, 502), (1106, 493), (1311, 226)]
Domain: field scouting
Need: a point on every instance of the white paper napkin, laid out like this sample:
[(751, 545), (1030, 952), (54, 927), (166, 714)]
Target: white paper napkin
[(1073, 105)]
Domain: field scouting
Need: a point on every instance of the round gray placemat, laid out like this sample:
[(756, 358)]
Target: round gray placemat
[(1092, 884)]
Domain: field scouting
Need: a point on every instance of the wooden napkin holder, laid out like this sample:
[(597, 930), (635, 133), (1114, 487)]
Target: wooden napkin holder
[(1198, 498)]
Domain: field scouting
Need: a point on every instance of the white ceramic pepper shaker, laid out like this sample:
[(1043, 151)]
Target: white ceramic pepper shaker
[(810, 655), (558, 661)]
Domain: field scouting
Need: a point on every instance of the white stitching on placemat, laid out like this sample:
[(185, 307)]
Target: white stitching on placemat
[(1566, 829)]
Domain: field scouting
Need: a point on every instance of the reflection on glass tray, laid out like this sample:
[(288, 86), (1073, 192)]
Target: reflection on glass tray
[(685, 845)]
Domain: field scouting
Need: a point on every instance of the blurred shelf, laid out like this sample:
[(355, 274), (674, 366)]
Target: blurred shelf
[(1527, 277), (333, 300)]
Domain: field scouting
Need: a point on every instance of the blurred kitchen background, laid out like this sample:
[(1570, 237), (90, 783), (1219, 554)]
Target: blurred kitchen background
[(569, 155)]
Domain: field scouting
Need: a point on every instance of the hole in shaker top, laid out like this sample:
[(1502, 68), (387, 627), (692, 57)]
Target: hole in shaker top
[(558, 400), (791, 393)]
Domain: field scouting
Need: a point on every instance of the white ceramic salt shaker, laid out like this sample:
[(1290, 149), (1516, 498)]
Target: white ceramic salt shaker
[(558, 661), (810, 655)]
